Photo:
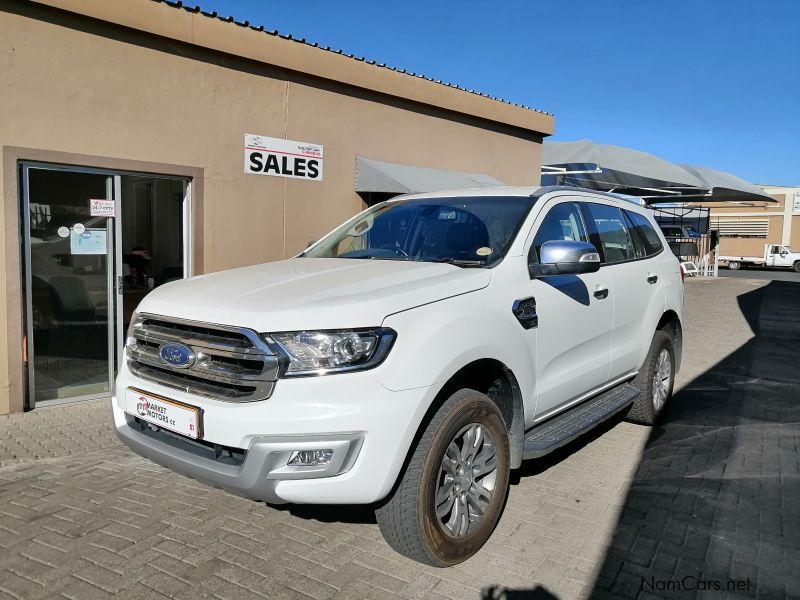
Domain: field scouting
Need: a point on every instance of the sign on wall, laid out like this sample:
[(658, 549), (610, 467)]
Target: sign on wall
[(282, 158), (102, 208)]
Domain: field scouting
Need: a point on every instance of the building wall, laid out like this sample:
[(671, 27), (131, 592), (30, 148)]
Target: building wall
[(84, 87), (784, 222)]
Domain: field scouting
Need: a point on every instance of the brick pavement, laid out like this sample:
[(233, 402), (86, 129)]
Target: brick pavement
[(715, 500), (81, 517)]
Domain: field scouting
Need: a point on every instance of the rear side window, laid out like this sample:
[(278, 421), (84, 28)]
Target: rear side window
[(562, 222), (616, 242), (646, 233)]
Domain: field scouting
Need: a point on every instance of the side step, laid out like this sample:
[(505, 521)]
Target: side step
[(567, 426)]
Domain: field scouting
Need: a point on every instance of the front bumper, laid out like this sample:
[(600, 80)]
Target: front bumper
[(246, 446)]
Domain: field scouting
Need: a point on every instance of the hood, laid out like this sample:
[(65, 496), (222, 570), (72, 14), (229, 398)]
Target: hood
[(312, 293)]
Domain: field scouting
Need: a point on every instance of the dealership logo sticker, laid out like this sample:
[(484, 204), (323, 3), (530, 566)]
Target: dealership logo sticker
[(282, 158), (102, 208)]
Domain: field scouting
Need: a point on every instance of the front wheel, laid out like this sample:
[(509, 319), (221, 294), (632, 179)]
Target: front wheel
[(796, 267), (655, 380), (453, 490)]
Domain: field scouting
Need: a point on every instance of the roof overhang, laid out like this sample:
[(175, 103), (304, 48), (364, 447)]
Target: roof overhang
[(393, 178), (617, 169)]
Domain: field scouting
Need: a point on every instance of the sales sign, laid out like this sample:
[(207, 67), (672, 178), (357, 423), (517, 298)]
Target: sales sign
[(282, 158)]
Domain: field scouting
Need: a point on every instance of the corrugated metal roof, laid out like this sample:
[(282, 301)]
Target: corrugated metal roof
[(274, 32)]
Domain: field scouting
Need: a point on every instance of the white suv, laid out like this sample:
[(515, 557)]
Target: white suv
[(411, 358)]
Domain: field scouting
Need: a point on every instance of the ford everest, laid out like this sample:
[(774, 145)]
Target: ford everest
[(411, 358)]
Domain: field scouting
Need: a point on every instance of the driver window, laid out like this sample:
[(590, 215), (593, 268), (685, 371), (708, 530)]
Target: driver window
[(776, 249), (562, 222)]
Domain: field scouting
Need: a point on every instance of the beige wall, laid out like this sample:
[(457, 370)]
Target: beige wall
[(784, 227), (89, 88), (731, 246), (794, 238)]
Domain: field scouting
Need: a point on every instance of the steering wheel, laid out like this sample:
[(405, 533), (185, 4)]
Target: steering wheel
[(397, 249)]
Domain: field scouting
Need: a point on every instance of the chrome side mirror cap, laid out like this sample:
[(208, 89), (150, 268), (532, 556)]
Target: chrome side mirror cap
[(565, 257)]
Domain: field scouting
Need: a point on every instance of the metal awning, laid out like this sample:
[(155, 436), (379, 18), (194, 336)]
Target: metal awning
[(615, 168), (726, 187), (378, 176)]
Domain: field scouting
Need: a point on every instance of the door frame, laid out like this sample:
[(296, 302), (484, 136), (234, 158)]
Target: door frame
[(116, 335)]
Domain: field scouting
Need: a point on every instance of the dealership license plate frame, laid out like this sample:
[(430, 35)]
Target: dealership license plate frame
[(198, 412)]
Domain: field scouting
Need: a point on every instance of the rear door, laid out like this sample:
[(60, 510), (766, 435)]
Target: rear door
[(572, 342), (630, 249)]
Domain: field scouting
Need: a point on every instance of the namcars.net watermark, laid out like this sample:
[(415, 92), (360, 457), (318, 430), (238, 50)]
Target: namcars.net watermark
[(692, 583)]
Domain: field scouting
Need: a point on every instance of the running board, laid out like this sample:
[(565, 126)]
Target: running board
[(567, 426)]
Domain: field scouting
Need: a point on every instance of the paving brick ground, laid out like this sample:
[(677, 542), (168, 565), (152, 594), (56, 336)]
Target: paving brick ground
[(713, 488)]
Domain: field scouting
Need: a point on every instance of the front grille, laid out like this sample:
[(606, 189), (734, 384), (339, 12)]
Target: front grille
[(231, 363)]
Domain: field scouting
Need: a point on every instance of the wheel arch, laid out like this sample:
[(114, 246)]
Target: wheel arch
[(493, 378), (670, 322)]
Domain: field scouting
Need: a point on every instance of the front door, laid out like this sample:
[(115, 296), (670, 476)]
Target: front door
[(69, 285), (778, 256), (85, 274), (573, 338)]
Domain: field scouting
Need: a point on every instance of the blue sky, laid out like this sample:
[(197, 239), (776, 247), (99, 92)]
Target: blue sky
[(709, 82)]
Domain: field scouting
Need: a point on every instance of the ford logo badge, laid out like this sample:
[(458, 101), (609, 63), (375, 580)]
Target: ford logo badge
[(176, 355)]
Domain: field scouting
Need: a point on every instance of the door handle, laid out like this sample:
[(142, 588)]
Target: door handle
[(600, 292), (652, 278)]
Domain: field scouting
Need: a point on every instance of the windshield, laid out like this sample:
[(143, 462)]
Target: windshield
[(467, 231)]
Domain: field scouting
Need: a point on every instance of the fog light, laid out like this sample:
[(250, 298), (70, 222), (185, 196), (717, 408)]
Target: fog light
[(310, 458)]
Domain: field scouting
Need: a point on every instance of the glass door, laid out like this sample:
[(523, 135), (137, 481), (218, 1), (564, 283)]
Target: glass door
[(69, 271)]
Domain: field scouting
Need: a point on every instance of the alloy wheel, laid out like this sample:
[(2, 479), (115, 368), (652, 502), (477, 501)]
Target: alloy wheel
[(466, 481), (662, 378)]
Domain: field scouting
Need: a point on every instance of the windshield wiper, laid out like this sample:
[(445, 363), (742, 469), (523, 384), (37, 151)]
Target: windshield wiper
[(458, 262), (373, 257)]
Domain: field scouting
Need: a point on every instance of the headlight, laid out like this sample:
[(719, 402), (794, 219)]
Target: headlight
[(323, 352)]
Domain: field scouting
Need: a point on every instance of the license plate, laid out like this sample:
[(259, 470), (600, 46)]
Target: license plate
[(169, 414)]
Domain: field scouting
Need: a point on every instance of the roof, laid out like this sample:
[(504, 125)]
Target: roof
[(726, 187), (196, 8), (379, 176), (622, 168), (192, 25), (515, 190)]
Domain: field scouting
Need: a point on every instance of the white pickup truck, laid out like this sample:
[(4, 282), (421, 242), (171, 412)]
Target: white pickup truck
[(775, 255), (411, 358)]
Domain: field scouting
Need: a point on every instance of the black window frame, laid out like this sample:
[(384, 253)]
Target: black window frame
[(635, 229), (533, 255), (594, 236)]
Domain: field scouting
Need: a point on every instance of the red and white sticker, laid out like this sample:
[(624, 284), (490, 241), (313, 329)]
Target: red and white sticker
[(102, 208), (177, 417)]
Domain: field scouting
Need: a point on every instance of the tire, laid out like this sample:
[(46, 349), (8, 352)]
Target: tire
[(408, 519), (648, 405), (734, 265), (796, 266)]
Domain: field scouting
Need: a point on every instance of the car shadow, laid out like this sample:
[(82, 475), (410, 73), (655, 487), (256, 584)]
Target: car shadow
[(714, 506), (537, 466), (331, 513)]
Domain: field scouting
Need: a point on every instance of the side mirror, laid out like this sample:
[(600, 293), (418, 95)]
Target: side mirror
[(565, 257)]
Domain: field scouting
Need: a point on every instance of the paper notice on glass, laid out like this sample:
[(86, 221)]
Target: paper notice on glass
[(91, 241)]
